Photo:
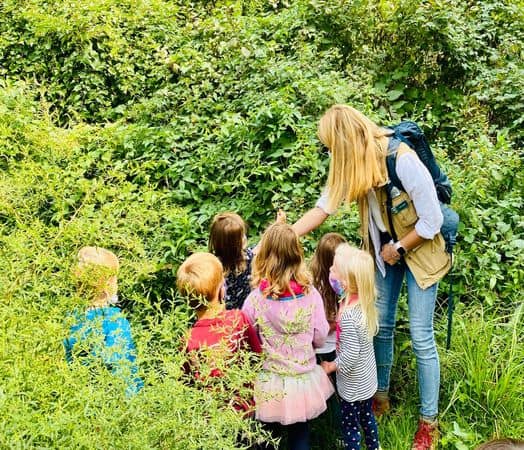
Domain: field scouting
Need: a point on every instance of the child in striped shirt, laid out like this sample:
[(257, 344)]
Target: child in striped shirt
[(352, 276)]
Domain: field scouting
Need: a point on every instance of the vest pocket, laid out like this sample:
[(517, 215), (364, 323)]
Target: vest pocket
[(403, 214), (430, 259)]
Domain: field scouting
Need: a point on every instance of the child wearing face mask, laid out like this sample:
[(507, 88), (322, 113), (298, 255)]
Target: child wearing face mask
[(102, 332), (352, 277)]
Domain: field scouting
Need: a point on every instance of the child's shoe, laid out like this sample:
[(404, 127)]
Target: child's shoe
[(380, 403), (426, 437)]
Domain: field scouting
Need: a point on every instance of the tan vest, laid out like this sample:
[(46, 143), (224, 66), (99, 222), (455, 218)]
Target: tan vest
[(428, 262)]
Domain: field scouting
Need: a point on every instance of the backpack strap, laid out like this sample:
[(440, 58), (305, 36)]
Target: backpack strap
[(394, 181), (391, 161)]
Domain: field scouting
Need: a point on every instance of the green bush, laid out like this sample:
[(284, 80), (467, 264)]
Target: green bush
[(130, 124)]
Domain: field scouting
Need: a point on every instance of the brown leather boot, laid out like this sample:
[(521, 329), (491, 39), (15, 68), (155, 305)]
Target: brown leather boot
[(426, 437), (380, 403)]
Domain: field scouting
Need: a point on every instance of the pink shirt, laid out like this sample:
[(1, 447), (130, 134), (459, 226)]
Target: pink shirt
[(290, 329)]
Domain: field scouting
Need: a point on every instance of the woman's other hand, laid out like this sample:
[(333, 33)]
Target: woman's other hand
[(389, 254)]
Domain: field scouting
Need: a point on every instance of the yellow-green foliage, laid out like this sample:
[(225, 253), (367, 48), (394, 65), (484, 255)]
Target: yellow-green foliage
[(48, 211), (129, 124)]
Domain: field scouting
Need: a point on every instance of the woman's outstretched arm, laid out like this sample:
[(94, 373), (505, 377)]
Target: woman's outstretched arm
[(309, 221)]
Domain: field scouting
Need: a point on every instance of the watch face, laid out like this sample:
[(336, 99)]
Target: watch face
[(401, 251)]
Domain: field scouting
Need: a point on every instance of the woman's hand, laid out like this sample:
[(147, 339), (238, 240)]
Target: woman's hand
[(281, 216), (389, 254)]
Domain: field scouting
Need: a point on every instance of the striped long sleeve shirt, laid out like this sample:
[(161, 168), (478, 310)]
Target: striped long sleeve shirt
[(356, 367)]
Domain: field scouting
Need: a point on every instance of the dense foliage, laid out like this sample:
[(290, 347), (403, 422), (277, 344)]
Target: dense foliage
[(130, 124)]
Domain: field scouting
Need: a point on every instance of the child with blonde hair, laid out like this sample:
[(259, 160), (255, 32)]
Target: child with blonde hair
[(218, 332), (289, 315), (353, 279), (103, 331)]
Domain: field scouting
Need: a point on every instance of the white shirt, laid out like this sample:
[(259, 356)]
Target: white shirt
[(419, 185)]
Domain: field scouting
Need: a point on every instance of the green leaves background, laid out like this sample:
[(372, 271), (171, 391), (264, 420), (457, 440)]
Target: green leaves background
[(130, 124)]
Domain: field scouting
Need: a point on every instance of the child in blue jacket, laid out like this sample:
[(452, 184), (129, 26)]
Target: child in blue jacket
[(102, 332)]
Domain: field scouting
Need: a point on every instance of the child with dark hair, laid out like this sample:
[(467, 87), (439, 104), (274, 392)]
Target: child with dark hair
[(228, 241), (320, 265)]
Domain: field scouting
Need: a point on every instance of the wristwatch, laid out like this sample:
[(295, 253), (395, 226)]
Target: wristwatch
[(400, 250)]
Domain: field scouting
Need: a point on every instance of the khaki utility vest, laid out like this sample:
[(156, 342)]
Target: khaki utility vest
[(428, 262)]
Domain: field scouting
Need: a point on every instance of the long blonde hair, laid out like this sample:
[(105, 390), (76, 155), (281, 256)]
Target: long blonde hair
[(279, 260), (357, 269), (358, 162)]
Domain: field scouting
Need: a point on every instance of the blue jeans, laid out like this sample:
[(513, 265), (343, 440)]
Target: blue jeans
[(421, 306)]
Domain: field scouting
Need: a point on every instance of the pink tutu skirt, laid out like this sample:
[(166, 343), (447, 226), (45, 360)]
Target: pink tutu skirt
[(290, 399)]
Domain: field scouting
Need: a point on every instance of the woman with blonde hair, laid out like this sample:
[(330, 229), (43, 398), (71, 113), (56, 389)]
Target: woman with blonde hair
[(358, 173)]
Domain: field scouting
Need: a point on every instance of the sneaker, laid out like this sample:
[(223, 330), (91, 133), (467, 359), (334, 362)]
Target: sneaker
[(380, 403), (426, 437)]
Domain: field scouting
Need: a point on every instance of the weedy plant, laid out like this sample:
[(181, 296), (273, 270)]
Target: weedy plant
[(130, 124)]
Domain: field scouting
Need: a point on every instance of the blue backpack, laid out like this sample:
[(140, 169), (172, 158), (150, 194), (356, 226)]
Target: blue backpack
[(411, 134)]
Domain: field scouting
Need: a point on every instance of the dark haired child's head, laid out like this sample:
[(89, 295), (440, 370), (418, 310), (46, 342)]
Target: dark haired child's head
[(201, 279), (502, 444), (320, 265), (95, 272), (227, 240), (279, 260)]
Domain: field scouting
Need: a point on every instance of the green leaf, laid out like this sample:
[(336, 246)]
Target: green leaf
[(394, 95)]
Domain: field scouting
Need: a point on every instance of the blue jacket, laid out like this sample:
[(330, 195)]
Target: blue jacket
[(108, 335)]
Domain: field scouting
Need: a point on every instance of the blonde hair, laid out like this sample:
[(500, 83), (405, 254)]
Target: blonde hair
[(358, 162), (96, 271), (227, 241), (357, 269), (320, 265), (199, 278), (279, 260)]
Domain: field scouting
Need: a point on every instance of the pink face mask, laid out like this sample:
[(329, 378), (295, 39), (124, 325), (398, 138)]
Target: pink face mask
[(337, 286)]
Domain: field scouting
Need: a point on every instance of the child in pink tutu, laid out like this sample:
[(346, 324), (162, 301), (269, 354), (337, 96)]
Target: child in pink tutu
[(289, 315)]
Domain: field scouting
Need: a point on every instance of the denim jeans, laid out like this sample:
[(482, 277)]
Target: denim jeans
[(421, 306)]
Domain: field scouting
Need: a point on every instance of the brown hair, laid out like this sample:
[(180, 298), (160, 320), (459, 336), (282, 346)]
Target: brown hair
[(199, 278), (227, 241), (320, 265), (358, 161), (502, 444), (279, 260)]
